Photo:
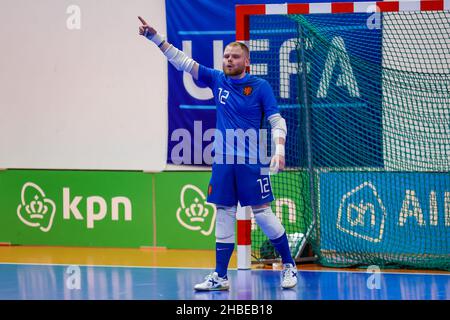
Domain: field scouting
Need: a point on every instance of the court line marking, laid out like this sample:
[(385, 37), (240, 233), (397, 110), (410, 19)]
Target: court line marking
[(203, 268), (381, 272), (99, 265)]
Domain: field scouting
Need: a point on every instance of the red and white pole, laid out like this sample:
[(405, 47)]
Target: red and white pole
[(244, 237)]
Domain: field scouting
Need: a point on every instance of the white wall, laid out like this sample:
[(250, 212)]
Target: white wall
[(93, 98)]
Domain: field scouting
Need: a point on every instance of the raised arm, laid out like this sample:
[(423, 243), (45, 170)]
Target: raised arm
[(176, 57)]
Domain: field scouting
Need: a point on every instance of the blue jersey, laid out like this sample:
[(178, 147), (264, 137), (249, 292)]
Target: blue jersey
[(241, 106)]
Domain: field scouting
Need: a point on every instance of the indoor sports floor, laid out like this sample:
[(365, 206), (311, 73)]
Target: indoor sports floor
[(56, 273)]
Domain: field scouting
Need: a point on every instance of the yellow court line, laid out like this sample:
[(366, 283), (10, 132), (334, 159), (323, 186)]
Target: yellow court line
[(148, 257)]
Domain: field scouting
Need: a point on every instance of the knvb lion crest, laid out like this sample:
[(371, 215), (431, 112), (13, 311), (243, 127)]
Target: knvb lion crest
[(195, 213), (247, 91)]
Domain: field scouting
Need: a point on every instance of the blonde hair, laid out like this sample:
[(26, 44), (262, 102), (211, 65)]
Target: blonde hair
[(241, 45)]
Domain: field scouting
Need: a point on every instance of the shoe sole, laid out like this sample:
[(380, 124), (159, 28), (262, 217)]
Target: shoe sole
[(218, 289), (288, 287)]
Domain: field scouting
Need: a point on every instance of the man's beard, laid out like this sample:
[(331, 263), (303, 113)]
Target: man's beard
[(234, 72)]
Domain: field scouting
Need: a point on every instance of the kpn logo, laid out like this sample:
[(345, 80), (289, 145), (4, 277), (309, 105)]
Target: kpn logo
[(362, 213), (195, 213), (36, 210)]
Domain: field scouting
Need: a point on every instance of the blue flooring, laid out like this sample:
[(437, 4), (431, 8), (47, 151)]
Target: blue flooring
[(59, 282)]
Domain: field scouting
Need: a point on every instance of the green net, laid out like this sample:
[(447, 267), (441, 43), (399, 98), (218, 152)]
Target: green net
[(366, 98)]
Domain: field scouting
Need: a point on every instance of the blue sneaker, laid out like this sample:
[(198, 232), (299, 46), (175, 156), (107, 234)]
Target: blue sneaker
[(213, 283)]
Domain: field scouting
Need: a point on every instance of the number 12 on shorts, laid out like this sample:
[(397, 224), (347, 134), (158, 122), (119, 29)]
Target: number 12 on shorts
[(265, 185)]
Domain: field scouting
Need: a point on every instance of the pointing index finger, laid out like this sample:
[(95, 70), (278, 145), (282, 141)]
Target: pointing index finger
[(142, 21)]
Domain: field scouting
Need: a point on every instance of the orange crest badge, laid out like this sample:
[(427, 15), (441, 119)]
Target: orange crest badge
[(209, 190), (248, 91)]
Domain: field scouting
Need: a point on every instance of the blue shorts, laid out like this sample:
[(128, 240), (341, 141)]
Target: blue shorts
[(245, 183)]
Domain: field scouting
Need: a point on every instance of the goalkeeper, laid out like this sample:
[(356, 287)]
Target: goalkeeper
[(242, 100)]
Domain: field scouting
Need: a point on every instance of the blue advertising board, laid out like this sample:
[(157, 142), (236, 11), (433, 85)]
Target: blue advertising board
[(385, 212), (203, 28)]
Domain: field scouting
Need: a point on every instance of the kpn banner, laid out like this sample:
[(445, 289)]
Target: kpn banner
[(76, 208), (406, 213), (184, 218), (291, 206)]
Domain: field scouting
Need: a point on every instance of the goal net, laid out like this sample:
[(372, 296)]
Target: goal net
[(365, 91)]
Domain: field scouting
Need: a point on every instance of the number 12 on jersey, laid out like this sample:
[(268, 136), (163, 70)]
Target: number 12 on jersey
[(264, 184)]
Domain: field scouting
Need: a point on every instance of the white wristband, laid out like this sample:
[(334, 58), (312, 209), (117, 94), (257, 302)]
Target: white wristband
[(155, 38), (279, 150)]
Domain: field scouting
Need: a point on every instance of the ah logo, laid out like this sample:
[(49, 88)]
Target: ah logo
[(195, 213), (362, 213), (36, 210)]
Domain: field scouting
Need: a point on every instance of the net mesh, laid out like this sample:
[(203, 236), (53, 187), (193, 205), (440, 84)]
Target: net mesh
[(366, 98)]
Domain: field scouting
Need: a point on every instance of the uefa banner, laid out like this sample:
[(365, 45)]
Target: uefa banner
[(191, 105), (76, 208), (383, 212), (184, 219)]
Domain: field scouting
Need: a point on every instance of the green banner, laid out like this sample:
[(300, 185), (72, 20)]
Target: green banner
[(116, 209), (183, 217), (76, 208), (291, 206)]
